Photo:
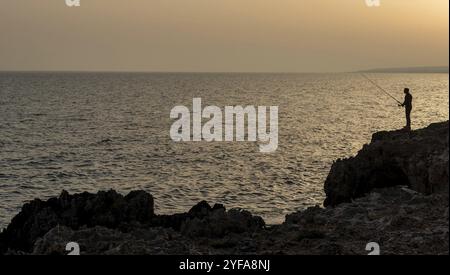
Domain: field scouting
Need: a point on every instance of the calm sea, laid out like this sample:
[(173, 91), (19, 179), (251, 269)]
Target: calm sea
[(96, 131)]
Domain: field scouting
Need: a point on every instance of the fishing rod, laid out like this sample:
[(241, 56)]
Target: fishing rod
[(378, 86)]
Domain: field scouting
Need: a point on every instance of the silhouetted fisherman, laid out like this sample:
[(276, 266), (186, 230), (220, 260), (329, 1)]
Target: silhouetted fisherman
[(408, 108)]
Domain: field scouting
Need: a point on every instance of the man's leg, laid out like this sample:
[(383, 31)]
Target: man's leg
[(408, 118)]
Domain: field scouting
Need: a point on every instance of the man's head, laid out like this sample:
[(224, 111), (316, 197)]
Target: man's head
[(406, 91)]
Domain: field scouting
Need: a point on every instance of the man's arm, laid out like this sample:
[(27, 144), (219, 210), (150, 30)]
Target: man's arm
[(404, 102)]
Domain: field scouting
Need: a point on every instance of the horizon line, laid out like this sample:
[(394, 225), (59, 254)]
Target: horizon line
[(374, 70)]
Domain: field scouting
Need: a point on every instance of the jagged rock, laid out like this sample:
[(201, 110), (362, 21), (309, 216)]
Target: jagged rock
[(101, 240), (417, 159), (201, 221), (220, 223), (108, 209), (401, 220), (175, 221)]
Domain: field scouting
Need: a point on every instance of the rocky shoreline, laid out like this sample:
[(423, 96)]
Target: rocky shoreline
[(394, 193)]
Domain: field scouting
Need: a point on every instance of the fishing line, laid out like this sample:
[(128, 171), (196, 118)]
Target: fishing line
[(378, 86)]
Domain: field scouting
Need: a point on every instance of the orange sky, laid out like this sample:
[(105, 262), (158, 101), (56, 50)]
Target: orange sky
[(222, 35)]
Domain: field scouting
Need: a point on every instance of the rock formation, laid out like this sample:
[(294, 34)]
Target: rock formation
[(110, 210), (417, 159), (400, 220)]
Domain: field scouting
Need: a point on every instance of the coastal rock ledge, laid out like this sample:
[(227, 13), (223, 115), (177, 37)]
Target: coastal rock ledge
[(394, 193), (417, 159)]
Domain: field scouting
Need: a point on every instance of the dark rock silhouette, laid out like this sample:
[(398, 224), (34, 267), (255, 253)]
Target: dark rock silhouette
[(402, 221), (219, 223), (123, 213), (108, 209), (417, 159)]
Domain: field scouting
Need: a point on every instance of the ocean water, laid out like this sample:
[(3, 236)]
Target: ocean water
[(97, 131)]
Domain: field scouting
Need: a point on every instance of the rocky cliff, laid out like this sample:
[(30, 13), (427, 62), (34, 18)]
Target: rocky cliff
[(121, 213), (417, 159), (400, 220)]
